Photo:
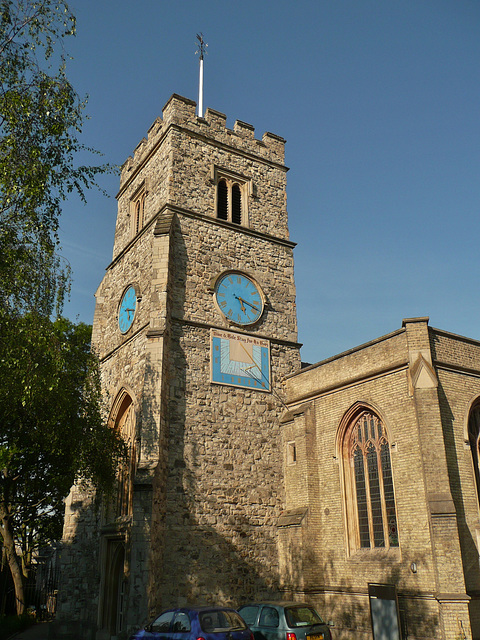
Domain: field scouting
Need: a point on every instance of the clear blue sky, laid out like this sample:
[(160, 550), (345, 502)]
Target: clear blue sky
[(380, 104)]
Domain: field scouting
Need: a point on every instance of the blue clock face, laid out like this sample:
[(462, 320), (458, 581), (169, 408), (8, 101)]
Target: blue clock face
[(126, 312), (239, 298)]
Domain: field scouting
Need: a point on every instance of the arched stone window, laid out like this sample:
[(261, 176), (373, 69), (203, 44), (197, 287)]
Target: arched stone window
[(231, 199), (474, 439), (368, 481), (137, 209), (123, 419)]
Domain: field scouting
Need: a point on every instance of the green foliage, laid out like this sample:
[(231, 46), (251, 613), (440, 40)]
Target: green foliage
[(53, 430), (41, 117)]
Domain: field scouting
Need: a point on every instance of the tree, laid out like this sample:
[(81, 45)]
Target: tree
[(52, 429), (41, 117)]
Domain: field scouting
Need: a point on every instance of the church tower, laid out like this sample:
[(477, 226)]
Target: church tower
[(195, 327)]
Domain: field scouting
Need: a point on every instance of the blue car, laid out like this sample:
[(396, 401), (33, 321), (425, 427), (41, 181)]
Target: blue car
[(196, 623), (285, 621)]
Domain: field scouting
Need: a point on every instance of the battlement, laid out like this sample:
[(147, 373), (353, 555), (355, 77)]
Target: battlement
[(181, 112)]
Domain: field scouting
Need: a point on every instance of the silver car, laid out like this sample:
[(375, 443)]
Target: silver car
[(285, 621)]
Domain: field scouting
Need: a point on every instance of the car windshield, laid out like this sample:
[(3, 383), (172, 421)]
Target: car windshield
[(302, 616), (220, 621)]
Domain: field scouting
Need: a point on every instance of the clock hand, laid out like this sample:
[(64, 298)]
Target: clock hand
[(246, 302), (242, 306)]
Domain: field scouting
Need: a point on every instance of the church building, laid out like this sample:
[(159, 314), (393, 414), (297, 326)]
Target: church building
[(250, 477)]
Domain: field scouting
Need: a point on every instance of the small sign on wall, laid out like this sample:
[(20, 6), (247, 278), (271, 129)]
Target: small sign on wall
[(384, 611), (239, 360)]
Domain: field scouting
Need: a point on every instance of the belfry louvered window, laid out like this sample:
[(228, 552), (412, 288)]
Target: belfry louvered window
[(236, 204), (138, 220), (222, 200), (372, 498), (137, 209), (230, 201)]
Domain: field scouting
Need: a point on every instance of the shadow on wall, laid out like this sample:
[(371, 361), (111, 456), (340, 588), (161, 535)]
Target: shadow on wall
[(205, 511), (470, 557), (213, 536), (346, 604), (79, 576)]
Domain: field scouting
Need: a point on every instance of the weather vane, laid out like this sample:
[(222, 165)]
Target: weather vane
[(202, 46)]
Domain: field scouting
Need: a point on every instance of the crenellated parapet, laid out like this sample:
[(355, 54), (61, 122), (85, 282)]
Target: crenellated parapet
[(180, 112)]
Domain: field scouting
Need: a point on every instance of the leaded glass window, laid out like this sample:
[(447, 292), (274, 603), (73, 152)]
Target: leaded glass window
[(373, 494)]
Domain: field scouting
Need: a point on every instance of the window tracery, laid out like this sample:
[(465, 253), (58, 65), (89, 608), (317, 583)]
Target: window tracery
[(124, 422), (370, 496)]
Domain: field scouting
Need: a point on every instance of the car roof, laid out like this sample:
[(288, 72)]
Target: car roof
[(201, 607), (276, 603)]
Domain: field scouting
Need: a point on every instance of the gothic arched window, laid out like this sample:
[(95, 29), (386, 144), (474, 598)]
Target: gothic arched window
[(123, 420), (137, 209), (474, 439), (370, 497)]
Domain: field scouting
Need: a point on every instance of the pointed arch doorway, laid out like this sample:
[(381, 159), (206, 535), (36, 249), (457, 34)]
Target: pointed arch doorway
[(114, 587)]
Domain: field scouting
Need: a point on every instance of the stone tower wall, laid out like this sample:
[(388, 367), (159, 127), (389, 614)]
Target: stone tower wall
[(208, 487)]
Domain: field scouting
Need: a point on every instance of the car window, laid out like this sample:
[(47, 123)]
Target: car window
[(235, 621), (249, 613), (218, 621), (162, 623), (301, 616), (268, 617), (181, 622)]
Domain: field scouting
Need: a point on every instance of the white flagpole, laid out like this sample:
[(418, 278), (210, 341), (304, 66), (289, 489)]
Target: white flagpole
[(201, 50), (200, 90)]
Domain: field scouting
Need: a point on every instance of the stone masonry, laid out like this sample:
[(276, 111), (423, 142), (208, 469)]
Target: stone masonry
[(235, 494), (208, 485)]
